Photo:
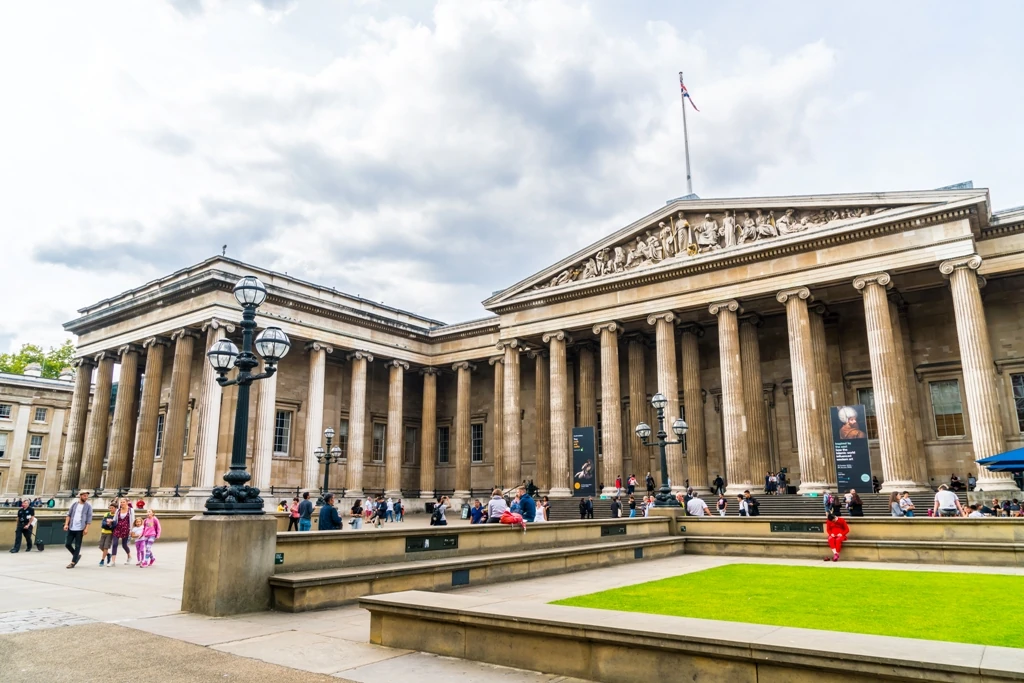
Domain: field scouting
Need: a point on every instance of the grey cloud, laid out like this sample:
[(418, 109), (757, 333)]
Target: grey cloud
[(187, 8), (168, 141), (277, 5)]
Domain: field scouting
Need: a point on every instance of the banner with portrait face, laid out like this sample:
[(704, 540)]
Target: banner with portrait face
[(584, 462), (850, 441)]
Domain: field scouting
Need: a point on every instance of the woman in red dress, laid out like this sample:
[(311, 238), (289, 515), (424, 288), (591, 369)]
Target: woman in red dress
[(837, 530)]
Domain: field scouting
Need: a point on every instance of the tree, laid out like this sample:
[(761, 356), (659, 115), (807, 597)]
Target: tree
[(53, 361)]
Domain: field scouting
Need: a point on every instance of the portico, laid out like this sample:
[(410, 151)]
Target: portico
[(776, 310)]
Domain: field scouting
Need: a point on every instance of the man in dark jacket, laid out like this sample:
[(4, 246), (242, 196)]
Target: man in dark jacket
[(330, 520), (527, 507), (305, 513), (24, 527)]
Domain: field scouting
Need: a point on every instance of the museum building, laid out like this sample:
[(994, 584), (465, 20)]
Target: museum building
[(753, 316)]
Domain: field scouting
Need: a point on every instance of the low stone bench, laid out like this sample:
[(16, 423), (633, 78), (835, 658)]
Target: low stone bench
[(322, 588), (925, 552), (624, 647)]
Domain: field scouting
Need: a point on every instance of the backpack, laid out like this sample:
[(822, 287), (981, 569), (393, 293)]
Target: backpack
[(435, 517), (754, 507)]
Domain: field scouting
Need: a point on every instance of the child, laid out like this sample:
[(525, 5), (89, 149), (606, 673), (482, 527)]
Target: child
[(150, 532), (107, 535), (140, 543)]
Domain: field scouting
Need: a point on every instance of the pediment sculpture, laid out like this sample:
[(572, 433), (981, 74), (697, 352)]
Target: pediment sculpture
[(685, 236)]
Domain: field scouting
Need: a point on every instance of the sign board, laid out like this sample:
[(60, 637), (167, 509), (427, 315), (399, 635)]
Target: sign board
[(850, 441), (797, 527), (584, 462), (419, 544), (465, 511), (278, 558)]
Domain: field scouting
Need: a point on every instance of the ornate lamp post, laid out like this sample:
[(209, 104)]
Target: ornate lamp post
[(327, 456), (238, 498), (664, 497)]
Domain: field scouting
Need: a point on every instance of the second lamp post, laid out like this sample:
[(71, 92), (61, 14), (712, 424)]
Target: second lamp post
[(643, 430), (327, 456)]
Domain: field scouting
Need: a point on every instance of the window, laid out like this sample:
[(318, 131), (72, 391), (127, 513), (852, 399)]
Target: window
[(282, 433), (866, 397), (379, 436), (5, 411), (30, 484), (40, 414), (343, 439), (410, 445), (35, 447), (1018, 399), (159, 435), (476, 440), (3, 444), (443, 454), (947, 408)]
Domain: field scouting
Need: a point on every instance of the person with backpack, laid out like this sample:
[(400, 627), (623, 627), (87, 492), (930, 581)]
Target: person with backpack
[(437, 518), (753, 507)]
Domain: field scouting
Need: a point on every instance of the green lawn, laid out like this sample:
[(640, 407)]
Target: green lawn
[(981, 608)]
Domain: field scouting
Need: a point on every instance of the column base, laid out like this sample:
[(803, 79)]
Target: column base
[(199, 492), (816, 487), (169, 491), (429, 495), (611, 491), (349, 494), (1001, 486), (560, 492), (459, 495), (736, 489), (908, 486), (392, 494), (702, 491)]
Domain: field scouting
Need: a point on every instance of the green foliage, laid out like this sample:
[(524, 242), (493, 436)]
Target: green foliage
[(53, 360), (889, 602)]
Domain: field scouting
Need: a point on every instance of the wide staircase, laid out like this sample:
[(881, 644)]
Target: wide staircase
[(875, 505)]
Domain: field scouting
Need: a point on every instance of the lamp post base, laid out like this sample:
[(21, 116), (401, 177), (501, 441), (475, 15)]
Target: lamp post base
[(234, 500)]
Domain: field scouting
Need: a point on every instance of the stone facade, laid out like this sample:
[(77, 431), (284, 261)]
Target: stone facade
[(795, 304)]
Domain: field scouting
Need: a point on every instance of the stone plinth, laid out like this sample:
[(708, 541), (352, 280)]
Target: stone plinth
[(228, 564)]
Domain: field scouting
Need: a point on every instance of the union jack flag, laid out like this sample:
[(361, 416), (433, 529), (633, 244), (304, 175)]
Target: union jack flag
[(686, 93)]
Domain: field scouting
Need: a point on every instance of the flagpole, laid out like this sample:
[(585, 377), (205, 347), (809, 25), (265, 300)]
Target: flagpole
[(686, 138)]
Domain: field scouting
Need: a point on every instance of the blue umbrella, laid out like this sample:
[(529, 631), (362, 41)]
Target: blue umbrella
[(1010, 461)]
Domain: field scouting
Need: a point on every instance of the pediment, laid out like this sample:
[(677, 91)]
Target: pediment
[(690, 232)]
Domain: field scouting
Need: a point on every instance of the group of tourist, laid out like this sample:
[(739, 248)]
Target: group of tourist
[(521, 503), (34, 503), (746, 504), (775, 483)]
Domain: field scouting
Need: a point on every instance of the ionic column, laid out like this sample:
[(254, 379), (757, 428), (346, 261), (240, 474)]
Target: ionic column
[(96, 433), (463, 386), (204, 469), (668, 384), (753, 397), (561, 443), (588, 385), (122, 432), (737, 458), (916, 454), (428, 433), (693, 400), (314, 413), (149, 412), (976, 358), (542, 425), (498, 408), (395, 435), (611, 405), (513, 422), (357, 423), (823, 384), (901, 335), (177, 408), (897, 466), (263, 441), (77, 423), (638, 406)]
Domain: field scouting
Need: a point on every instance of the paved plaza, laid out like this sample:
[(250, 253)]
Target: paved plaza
[(52, 617)]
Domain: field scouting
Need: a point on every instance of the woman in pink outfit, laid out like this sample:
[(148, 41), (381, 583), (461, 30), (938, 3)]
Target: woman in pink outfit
[(150, 532)]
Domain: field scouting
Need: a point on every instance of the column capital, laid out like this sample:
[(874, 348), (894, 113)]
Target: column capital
[(463, 365), (430, 370), (972, 262), (510, 344), (696, 329), (585, 345), (184, 332), (882, 279), (318, 346), (218, 324), (610, 326), (496, 360), (797, 292), (638, 338), (82, 360), (537, 353), (818, 307), (156, 341), (754, 319), (104, 355), (395, 363), (560, 335), (667, 316), (728, 305), (360, 355), (129, 348)]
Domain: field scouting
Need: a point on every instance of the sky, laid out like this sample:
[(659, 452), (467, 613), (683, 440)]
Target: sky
[(426, 154)]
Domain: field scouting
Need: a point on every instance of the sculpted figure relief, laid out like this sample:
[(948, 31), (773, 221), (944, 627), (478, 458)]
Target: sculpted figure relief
[(680, 239)]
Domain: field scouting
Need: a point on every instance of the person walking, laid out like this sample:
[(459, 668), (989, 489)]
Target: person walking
[(696, 507), (632, 507), (151, 531), (293, 515), (399, 510), (305, 513), (744, 505), (76, 524), (23, 527), (497, 506), (837, 531), (389, 510), (781, 487), (723, 505), (140, 544), (616, 508), (618, 483), (947, 503), (590, 507), (650, 484), (631, 484), (719, 484), (124, 520), (330, 520), (855, 505), (438, 517), (107, 534), (356, 514)]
